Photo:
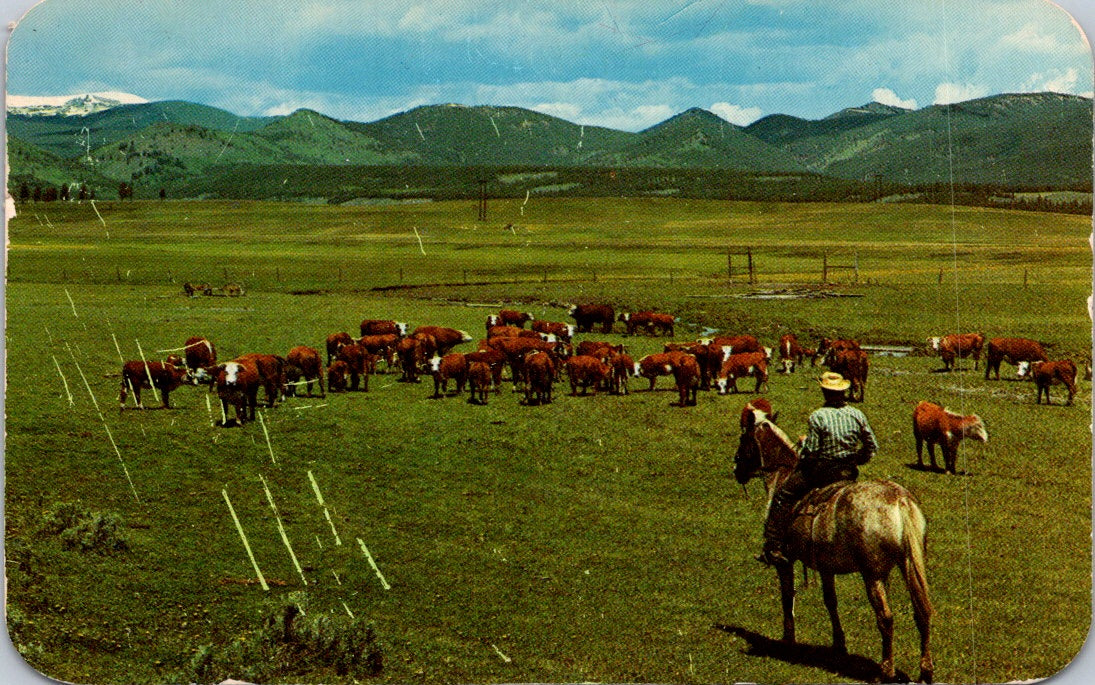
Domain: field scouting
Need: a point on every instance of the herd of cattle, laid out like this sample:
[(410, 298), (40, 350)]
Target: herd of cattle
[(545, 354)]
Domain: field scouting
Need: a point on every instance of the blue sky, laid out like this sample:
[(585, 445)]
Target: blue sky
[(626, 64)]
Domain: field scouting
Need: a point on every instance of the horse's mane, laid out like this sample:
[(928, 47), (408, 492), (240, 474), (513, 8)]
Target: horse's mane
[(787, 455)]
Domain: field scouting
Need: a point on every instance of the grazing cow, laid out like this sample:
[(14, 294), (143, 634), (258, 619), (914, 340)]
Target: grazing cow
[(653, 365), (938, 426), (494, 359), (1046, 374), (1014, 350), (192, 289), (410, 353), (334, 342), (238, 384), (634, 321), (383, 327), (516, 349), (358, 362), (598, 348), (663, 323), (445, 338), (478, 382), (791, 353), (710, 358), (452, 365), (515, 332), (853, 365), (562, 331), (232, 290), (738, 343), (201, 357), (951, 347), (271, 370), (586, 315), (163, 376), (336, 376), (585, 371), (686, 373), (509, 317), (539, 375), (381, 346), (621, 367), (737, 366), (311, 368)]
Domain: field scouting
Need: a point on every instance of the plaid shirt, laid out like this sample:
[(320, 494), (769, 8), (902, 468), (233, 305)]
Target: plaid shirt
[(841, 434)]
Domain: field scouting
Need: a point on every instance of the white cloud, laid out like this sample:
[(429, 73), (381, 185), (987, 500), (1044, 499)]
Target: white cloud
[(1030, 39), (950, 93), (563, 110), (742, 116), (886, 96)]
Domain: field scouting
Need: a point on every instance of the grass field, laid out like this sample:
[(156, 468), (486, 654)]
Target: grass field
[(594, 539)]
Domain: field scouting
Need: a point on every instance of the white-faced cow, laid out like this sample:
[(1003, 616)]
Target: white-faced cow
[(935, 425), (1012, 350), (958, 346), (1046, 374)]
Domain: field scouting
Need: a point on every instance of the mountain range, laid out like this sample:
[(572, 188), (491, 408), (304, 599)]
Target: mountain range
[(1040, 140)]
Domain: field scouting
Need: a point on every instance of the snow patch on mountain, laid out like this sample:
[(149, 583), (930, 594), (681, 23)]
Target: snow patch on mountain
[(69, 105)]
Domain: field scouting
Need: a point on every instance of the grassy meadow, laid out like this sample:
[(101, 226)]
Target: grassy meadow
[(597, 538)]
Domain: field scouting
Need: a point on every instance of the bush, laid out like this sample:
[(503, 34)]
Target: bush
[(82, 529)]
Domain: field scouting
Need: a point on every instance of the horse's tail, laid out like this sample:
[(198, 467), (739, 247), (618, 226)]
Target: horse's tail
[(915, 543)]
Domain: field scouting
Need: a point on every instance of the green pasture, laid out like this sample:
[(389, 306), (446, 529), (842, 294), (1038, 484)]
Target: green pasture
[(598, 538)]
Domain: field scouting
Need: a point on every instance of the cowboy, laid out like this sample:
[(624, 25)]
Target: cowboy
[(839, 439)]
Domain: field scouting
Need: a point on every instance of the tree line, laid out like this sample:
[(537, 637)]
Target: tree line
[(66, 192)]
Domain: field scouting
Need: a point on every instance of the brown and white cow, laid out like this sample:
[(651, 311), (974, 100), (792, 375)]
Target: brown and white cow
[(621, 367), (1046, 374), (539, 377), (510, 317), (446, 338), (311, 368), (635, 321), (237, 383), (827, 346), (201, 357), (586, 315), (853, 365), (410, 354), (743, 365), (383, 327), (653, 365), (452, 366), (791, 353), (516, 349), (382, 346), (936, 425), (601, 349), (958, 346), (561, 331), (494, 359), (271, 370), (336, 376), (478, 382), (163, 376), (738, 344), (584, 372), (334, 342), (192, 289), (686, 374), (358, 364), (1013, 350)]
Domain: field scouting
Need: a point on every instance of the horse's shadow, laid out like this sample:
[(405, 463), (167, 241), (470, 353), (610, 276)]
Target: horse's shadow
[(851, 667)]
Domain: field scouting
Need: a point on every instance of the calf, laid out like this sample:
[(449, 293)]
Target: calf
[(653, 365), (737, 366), (445, 338), (494, 359), (663, 323), (311, 368), (686, 373), (163, 376), (336, 376), (237, 383), (955, 346), (383, 327), (621, 366), (358, 362), (271, 370), (587, 315), (938, 426), (334, 342), (1014, 350), (561, 331), (585, 371), (635, 321), (853, 365), (1046, 374), (539, 378), (791, 353), (452, 365), (478, 382)]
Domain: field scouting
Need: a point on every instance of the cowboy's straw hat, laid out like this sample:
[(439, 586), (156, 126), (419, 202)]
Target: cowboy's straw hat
[(833, 381)]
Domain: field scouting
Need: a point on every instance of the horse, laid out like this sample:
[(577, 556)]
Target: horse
[(865, 527)]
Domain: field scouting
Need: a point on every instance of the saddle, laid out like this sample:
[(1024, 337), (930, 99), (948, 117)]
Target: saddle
[(812, 502)]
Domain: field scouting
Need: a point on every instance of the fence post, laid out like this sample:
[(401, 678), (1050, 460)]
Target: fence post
[(940, 275), (545, 274), (729, 266), (400, 274), (752, 274), (1024, 278), (824, 267), (856, 265), (465, 276)]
